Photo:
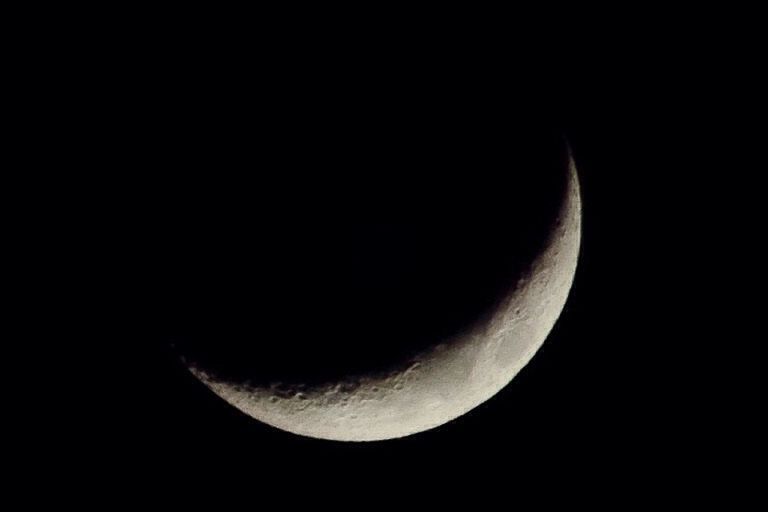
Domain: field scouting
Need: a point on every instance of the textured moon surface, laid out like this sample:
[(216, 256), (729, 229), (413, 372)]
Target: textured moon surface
[(441, 382)]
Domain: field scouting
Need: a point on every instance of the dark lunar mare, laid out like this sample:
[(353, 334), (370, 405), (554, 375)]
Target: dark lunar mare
[(383, 244)]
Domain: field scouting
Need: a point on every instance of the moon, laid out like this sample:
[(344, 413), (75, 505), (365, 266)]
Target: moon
[(441, 382)]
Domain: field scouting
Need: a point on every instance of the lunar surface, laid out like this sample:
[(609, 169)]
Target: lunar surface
[(439, 382)]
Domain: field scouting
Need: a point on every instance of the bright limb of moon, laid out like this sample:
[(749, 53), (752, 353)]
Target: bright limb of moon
[(443, 382)]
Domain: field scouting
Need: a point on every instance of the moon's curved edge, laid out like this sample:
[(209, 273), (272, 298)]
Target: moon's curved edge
[(442, 383)]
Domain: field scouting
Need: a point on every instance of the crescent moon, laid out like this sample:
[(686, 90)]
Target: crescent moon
[(442, 382)]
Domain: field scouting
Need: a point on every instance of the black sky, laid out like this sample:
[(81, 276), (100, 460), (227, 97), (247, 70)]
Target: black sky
[(179, 149)]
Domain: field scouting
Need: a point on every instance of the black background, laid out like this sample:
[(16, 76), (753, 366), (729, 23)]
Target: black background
[(607, 399)]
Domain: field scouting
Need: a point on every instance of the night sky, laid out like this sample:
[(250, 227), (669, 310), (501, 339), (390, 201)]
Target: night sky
[(217, 199)]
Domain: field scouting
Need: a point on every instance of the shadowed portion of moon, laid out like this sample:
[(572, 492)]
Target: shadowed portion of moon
[(344, 277), (349, 282)]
